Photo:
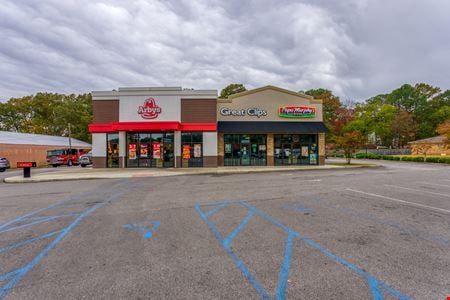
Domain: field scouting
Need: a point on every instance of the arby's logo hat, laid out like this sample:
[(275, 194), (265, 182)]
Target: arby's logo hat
[(150, 110)]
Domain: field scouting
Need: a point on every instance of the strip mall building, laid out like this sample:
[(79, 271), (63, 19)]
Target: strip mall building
[(172, 127)]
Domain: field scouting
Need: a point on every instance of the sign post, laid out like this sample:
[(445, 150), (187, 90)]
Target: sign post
[(26, 165)]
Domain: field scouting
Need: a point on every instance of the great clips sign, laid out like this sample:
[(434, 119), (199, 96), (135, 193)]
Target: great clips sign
[(150, 110), (297, 112)]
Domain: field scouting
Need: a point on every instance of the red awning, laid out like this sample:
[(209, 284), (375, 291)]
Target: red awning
[(151, 126)]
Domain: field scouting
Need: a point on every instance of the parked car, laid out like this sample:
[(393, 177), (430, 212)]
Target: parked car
[(4, 164), (85, 159)]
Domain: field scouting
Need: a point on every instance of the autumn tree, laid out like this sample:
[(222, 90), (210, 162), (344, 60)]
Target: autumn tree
[(444, 129), (231, 89), (350, 142), (331, 105)]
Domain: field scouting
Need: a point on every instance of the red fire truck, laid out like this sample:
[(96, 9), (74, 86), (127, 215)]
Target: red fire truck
[(69, 157)]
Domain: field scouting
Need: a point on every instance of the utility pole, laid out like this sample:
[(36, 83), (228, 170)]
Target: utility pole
[(70, 140)]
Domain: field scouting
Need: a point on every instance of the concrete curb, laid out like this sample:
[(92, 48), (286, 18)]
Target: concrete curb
[(167, 173)]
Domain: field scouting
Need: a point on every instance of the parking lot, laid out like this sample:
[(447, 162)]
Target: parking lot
[(369, 233)]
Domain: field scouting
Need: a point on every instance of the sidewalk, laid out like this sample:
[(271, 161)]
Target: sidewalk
[(91, 173)]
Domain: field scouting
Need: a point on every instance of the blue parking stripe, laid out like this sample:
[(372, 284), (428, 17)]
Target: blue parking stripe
[(375, 289), (44, 236), (239, 263), (284, 271), (375, 284), (216, 209), (21, 272), (241, 226), (49, 218)]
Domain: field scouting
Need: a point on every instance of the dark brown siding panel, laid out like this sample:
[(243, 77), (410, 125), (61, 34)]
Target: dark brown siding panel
[(198, 110), (210, 161), (99, 162), (321, 160), (105, 111)]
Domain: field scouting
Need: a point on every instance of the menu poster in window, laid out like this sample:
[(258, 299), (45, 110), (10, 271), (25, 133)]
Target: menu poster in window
[(197, 150), (186, 151), (132, 151), (227, 148), (156, 150), (144, 150), (313, 159), (305, 151), (262, 147)]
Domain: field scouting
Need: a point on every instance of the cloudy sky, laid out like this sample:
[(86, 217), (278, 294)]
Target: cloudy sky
[(357, 48)]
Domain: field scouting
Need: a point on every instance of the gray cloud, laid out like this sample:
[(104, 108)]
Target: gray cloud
[(355, 48)]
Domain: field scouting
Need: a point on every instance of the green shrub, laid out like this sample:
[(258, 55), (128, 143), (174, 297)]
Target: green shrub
[(433, 159), (444, 160), (396, 158)]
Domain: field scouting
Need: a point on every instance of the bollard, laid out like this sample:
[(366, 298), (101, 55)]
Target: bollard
[(26, 165)]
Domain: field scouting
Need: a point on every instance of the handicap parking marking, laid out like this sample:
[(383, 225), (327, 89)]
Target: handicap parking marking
[(12, 278), (378, 288), (147, 231)]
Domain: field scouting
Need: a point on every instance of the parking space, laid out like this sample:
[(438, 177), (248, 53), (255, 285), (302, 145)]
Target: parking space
[(338, 234)]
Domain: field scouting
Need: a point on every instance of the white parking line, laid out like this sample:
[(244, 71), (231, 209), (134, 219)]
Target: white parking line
[(436, 184), (402, 201), (416, 190)]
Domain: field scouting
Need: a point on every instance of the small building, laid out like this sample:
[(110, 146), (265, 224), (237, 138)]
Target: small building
[(17, 146), (437, 145), (167, 127)]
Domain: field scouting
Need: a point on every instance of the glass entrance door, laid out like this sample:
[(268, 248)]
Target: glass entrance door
[(286, 154), (245, 154), (150, 150)]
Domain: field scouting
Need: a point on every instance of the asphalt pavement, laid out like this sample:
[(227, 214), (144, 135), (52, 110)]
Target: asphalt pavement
[(369, 233)]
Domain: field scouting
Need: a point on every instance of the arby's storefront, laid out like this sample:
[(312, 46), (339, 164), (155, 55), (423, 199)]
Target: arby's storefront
[(171, 127), (167, 127)]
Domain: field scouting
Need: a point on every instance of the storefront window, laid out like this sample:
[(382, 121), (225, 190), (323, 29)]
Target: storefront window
[(192, 149), (112, 151), (150, 150), (245, 150), (295, 149)]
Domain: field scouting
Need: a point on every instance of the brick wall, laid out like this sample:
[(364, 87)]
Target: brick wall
[(37, 153)]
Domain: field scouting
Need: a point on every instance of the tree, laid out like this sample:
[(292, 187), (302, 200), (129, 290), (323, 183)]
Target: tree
[(404, 129), (231, 89), (374, 118), (444, 129), (48, 113), (350, 141), (331, 105)]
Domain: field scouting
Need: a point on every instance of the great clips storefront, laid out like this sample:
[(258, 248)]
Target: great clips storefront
[(270, 126), (154, 128)]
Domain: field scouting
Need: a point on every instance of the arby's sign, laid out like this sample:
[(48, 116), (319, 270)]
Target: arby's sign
[(150, 110)]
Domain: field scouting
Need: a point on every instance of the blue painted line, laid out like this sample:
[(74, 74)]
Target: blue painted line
[(28, 267), (56, 205), (22, 216), (241, 226), (146, 231), (375, 289), (365, 216), (217, 203), (239, 263), (50, 218), (328, 253), (41, 237), (10, 274), (284, 271), (215, 209)]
